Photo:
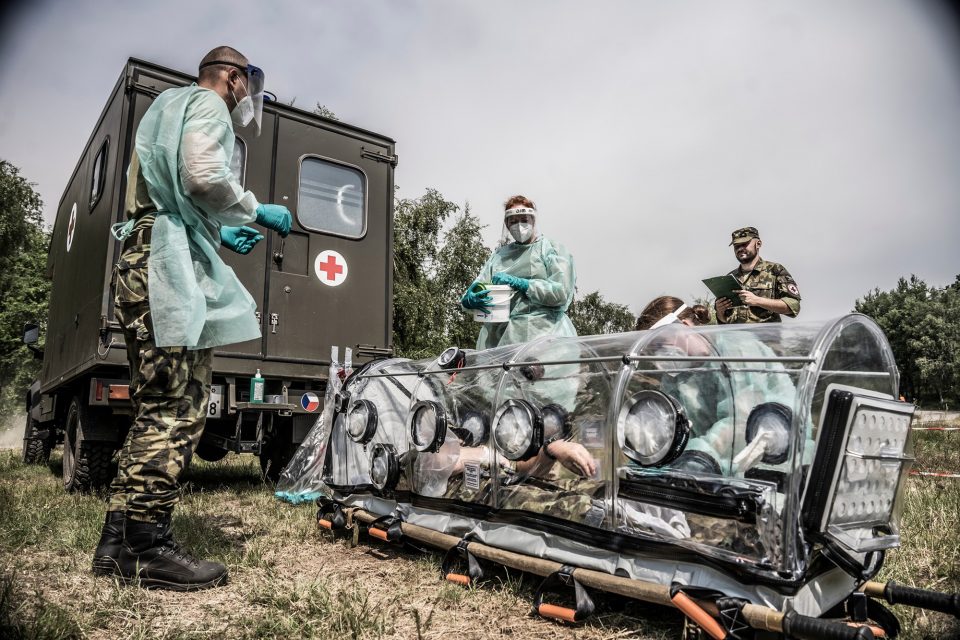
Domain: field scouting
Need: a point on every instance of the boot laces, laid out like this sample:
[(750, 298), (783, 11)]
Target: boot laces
[(172, 548)]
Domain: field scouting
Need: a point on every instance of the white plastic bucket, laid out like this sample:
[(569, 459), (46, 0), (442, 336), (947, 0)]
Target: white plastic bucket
[(500, 295)]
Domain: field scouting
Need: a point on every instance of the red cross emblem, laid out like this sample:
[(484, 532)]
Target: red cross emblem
[(331, 268)]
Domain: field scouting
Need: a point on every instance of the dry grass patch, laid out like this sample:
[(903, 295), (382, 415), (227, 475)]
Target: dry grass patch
[(287, 580)]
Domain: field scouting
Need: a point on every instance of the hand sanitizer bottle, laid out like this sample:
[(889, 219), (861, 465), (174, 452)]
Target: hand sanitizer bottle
[(257, 384)]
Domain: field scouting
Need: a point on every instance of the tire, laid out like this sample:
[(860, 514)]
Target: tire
[(35, 450), (275, 453), (87, 465)]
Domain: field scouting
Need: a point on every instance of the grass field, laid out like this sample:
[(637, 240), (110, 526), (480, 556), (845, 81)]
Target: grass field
[(287, 581)]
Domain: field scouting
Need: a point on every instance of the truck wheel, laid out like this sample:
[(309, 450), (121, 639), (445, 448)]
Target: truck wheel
[(87, 466), (35, 450), (274, 456)]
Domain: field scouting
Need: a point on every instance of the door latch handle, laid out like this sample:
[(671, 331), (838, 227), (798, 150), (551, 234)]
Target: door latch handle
[(278, 255), (274, 321)]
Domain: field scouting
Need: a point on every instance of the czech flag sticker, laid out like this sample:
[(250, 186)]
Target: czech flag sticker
[(310, 402)]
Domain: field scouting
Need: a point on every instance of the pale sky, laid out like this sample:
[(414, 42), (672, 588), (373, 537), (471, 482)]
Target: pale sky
[(646, 131)]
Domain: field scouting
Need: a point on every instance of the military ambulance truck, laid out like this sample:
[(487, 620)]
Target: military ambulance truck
[(328, 283)]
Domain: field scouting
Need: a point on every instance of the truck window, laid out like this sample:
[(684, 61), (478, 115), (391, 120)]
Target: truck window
[(332, 198), (98, 175), (238, 163)]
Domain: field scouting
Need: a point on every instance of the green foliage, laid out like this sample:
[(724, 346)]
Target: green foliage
[(432, 267), (24, 289), (592, 315), (922, 324), (323, 111), (460, 260)]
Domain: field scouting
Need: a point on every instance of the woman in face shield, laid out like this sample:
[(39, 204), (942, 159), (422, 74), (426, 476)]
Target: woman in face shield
[(541, 274)]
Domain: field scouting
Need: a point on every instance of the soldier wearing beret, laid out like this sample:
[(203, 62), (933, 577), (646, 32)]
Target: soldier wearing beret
[(769, 290)]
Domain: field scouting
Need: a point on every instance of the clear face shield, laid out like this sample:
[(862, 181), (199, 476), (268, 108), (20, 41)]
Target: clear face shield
[(255, 84), (248, 110), (519, 225)]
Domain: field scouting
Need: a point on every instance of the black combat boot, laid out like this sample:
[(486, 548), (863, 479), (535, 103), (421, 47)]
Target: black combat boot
[(108, 549), (150, 554)]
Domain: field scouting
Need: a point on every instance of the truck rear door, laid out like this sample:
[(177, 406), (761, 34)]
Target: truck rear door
[(329, 280)]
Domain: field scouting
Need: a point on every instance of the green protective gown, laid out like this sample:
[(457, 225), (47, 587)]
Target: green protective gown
[(542, 310), (185, 144)]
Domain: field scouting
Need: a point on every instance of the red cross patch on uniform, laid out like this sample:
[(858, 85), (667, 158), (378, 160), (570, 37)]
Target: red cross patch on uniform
[(792, 288)]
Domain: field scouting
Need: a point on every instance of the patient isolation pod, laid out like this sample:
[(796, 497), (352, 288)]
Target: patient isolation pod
[(765, 462)]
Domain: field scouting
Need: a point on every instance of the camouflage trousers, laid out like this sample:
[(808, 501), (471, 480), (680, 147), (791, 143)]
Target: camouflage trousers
[(578, 500), (169, 388)]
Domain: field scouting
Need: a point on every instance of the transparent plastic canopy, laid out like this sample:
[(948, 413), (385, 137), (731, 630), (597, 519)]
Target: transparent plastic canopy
[(698, 437)]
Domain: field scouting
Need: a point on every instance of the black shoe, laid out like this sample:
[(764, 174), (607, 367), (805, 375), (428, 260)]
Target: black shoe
[(149, 555), (108, 549)]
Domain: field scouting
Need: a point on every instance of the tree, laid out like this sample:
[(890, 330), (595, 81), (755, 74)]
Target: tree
[(460, 260), (922, 324), (24, 289), (432, 267), (592, 315)]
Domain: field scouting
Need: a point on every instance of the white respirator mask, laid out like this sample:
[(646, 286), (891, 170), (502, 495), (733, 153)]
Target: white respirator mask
[(521, 231), (248, 109), (242, 113)]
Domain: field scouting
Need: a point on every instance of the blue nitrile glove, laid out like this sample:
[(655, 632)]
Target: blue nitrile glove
[(239, 239), (276, 217), (518, 284), (476, 297)]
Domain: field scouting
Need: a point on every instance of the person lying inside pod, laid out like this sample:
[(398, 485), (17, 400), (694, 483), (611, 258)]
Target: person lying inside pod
[(740, 430), (557, 480), (697, 392), (765, 391)]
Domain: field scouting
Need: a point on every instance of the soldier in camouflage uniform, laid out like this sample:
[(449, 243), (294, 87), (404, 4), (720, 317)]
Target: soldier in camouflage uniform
[(182, 203), (769, 290), (169, 388)]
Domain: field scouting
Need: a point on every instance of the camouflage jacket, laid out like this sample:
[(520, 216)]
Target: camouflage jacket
[(767, 280)]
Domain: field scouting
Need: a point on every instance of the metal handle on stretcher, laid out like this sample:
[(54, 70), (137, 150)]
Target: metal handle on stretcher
[(894, 593)]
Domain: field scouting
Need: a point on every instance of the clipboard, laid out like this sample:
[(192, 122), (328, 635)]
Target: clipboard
[(724, 287)]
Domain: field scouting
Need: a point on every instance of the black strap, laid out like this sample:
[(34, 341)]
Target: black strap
[(332, 512), (731, 617), (390, 524), (859, 607), (563, 579), (458, 554)]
